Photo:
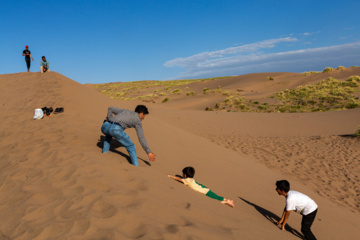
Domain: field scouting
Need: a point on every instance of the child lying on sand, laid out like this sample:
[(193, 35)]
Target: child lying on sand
[(188, 180)]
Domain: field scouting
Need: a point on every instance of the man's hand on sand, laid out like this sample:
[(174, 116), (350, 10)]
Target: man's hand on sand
[(151, 156)]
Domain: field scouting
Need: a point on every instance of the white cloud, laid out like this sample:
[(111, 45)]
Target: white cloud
[(247, 59), (198, 58), (309, 33)]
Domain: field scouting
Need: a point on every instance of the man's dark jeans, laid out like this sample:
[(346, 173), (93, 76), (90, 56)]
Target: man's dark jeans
[(307, 221)]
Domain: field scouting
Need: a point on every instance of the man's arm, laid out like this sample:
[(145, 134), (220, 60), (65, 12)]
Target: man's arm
[(31, 57), (113, 111), (284, 219), (143, 142)]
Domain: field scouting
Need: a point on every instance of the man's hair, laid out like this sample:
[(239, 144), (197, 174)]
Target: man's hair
[(189, 172), (283, 185), (141, 109)]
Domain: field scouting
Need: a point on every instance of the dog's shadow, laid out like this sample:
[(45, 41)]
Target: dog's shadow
[(273, 218), (114, 145)]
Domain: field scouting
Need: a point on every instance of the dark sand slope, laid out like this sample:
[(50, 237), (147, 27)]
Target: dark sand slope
[(56, 184)]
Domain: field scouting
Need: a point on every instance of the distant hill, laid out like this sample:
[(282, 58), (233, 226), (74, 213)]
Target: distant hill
[(212, 94)]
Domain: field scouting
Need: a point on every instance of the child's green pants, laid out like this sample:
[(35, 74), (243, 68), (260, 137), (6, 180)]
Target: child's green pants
[(214, 196)]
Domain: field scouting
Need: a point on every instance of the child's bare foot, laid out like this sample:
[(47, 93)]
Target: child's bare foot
[(228, 202)]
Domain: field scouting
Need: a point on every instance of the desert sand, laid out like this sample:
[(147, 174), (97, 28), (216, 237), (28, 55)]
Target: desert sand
[(56, 184)]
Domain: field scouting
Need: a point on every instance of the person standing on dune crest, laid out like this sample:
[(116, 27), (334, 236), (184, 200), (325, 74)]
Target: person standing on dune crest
[(117, 120), (27, 55)]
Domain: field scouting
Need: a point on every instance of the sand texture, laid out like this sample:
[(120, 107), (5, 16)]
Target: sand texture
[(56, 184)]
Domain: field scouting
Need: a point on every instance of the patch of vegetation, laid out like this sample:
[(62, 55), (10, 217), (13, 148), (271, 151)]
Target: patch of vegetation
[(270, 78), (190, 94), (206, 91), (330, 94), (328, 69), (217, 90), (165, 100), (357, 133), (136, 88), (327, 95), (176, 91), (311, 72)]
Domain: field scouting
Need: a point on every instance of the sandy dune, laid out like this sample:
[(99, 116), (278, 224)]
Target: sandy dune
[(56, 184)]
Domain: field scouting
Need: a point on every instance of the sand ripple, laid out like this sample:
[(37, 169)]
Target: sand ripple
[(331, 165)]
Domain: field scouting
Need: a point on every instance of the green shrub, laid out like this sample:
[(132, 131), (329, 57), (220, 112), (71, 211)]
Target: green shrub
[(228, 100), (357, 133), (176, 91), (242, 106), (354, 78), (190, 94), (328, 69), (206, 91), (165, 100), (330, 94), (311, 72), (352, 104)]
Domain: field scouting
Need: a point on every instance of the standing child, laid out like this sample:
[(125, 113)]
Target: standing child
[(27, 55), (188, 180), (300, 203)]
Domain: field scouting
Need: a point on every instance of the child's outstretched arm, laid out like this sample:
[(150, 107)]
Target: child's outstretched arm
[(175, 178)]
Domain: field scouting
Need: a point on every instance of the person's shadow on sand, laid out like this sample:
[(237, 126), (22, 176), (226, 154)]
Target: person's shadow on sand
[(273, 218), (114, 145)]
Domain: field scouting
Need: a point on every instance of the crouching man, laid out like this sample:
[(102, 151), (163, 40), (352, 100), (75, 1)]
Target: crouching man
[(44, 65), (117, 121)]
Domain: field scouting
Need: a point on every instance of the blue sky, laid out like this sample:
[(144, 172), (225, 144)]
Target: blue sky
[(128, 40)]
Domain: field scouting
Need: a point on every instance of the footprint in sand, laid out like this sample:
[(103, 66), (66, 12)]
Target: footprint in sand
[(174, 228), (102, 209), (46, 197), (141, 186)]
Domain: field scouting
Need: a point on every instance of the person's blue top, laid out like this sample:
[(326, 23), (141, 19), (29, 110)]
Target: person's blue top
[(44, 64)]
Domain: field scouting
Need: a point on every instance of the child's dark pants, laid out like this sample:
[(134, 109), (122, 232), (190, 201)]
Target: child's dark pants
[(307, 221)]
